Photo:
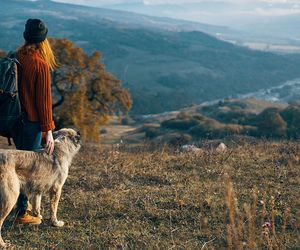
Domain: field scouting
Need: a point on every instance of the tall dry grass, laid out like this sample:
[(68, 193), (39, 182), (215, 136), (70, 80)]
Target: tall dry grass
[(254, 226), (124, 197)]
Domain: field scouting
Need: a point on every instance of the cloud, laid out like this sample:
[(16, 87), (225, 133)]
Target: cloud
[(277, 11), (240, 2), (158, 2), (96, 2)]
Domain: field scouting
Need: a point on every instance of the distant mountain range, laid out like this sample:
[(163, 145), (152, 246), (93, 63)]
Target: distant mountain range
[(167, 64), (264, 25)]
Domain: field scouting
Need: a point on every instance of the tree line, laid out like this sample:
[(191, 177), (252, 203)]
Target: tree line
[(231, 118)]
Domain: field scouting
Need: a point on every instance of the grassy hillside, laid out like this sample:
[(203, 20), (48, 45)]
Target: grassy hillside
[(144, 198), (165, 66)]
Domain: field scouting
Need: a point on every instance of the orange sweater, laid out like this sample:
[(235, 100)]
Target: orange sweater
[(35, 89)]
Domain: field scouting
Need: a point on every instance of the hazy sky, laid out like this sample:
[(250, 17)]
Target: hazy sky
[(262, 7), (228, 12), (99, 2)]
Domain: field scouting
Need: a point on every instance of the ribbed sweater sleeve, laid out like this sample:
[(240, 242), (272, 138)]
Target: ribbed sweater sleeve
[(43, 97)]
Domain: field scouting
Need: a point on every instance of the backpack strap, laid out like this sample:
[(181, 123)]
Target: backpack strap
[(13, 56)]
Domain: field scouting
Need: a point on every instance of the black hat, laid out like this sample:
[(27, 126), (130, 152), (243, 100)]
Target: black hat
[(35, 31)]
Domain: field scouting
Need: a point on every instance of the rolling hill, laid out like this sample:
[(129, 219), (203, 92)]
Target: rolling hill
[(167, 64)]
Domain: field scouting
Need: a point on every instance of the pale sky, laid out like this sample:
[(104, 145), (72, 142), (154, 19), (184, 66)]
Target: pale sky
[(260, 7), (103, 2), (233, 13)]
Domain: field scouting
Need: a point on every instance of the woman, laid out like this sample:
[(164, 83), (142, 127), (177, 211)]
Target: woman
[(36, 58)]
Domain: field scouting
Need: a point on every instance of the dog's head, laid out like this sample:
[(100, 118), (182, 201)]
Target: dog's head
[(69, 135)]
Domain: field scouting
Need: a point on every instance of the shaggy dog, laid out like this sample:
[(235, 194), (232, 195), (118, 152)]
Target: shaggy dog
[(34, 173)]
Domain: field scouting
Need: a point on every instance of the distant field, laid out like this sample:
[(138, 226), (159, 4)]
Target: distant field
[(114, 133), (273, 47), (158, 198)]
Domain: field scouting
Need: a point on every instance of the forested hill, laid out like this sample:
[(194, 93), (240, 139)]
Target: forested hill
[(164, 64)]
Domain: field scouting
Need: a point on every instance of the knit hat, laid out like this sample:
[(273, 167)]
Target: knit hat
[(35, 31)]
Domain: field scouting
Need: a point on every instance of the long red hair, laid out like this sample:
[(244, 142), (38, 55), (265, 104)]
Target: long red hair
[(45, 51)]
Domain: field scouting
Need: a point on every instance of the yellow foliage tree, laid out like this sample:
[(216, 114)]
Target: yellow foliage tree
[(87, 93), (2, 53)]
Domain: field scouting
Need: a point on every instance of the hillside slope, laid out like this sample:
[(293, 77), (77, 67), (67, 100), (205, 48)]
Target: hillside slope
[(165, 66), (136, 198)]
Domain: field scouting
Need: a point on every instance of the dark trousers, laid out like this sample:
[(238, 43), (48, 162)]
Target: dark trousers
[(27, 135)]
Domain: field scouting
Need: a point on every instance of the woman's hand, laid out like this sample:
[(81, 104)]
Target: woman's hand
[(49, 142)]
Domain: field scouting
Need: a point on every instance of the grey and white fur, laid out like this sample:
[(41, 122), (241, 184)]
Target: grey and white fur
[(36, 173)]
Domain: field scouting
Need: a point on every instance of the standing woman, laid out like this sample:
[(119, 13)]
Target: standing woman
[(36, 58)]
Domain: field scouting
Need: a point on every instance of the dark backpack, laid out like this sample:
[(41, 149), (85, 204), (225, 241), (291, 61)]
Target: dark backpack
[(10, 106)]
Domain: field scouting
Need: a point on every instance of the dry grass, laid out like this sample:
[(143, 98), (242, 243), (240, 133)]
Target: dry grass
[(144, 198)]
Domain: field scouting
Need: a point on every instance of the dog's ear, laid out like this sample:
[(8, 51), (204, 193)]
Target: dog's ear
[(55, 134), (76, 139), (59, 134), (60, 138), (77, 136)]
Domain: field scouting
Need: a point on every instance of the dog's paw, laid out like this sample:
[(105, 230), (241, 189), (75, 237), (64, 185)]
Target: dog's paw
[(58, 223), (37, 215), (5, 245)]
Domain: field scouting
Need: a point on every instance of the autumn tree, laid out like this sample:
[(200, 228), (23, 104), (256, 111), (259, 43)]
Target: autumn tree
[(2, 53), (84, 93)]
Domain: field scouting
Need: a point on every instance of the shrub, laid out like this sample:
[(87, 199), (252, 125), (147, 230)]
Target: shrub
[(291, 116), (270, 124), (231, 129), (233, 116), (249, 130), (179, 124), (183, 115), (152, 132), (208, 128), (199, 117), (127, 121), (176, 139), (103, 131)]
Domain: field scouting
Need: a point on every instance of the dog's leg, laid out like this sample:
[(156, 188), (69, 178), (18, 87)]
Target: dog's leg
[(9, 192), (2, 243), (55, 193), (36, 205)]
